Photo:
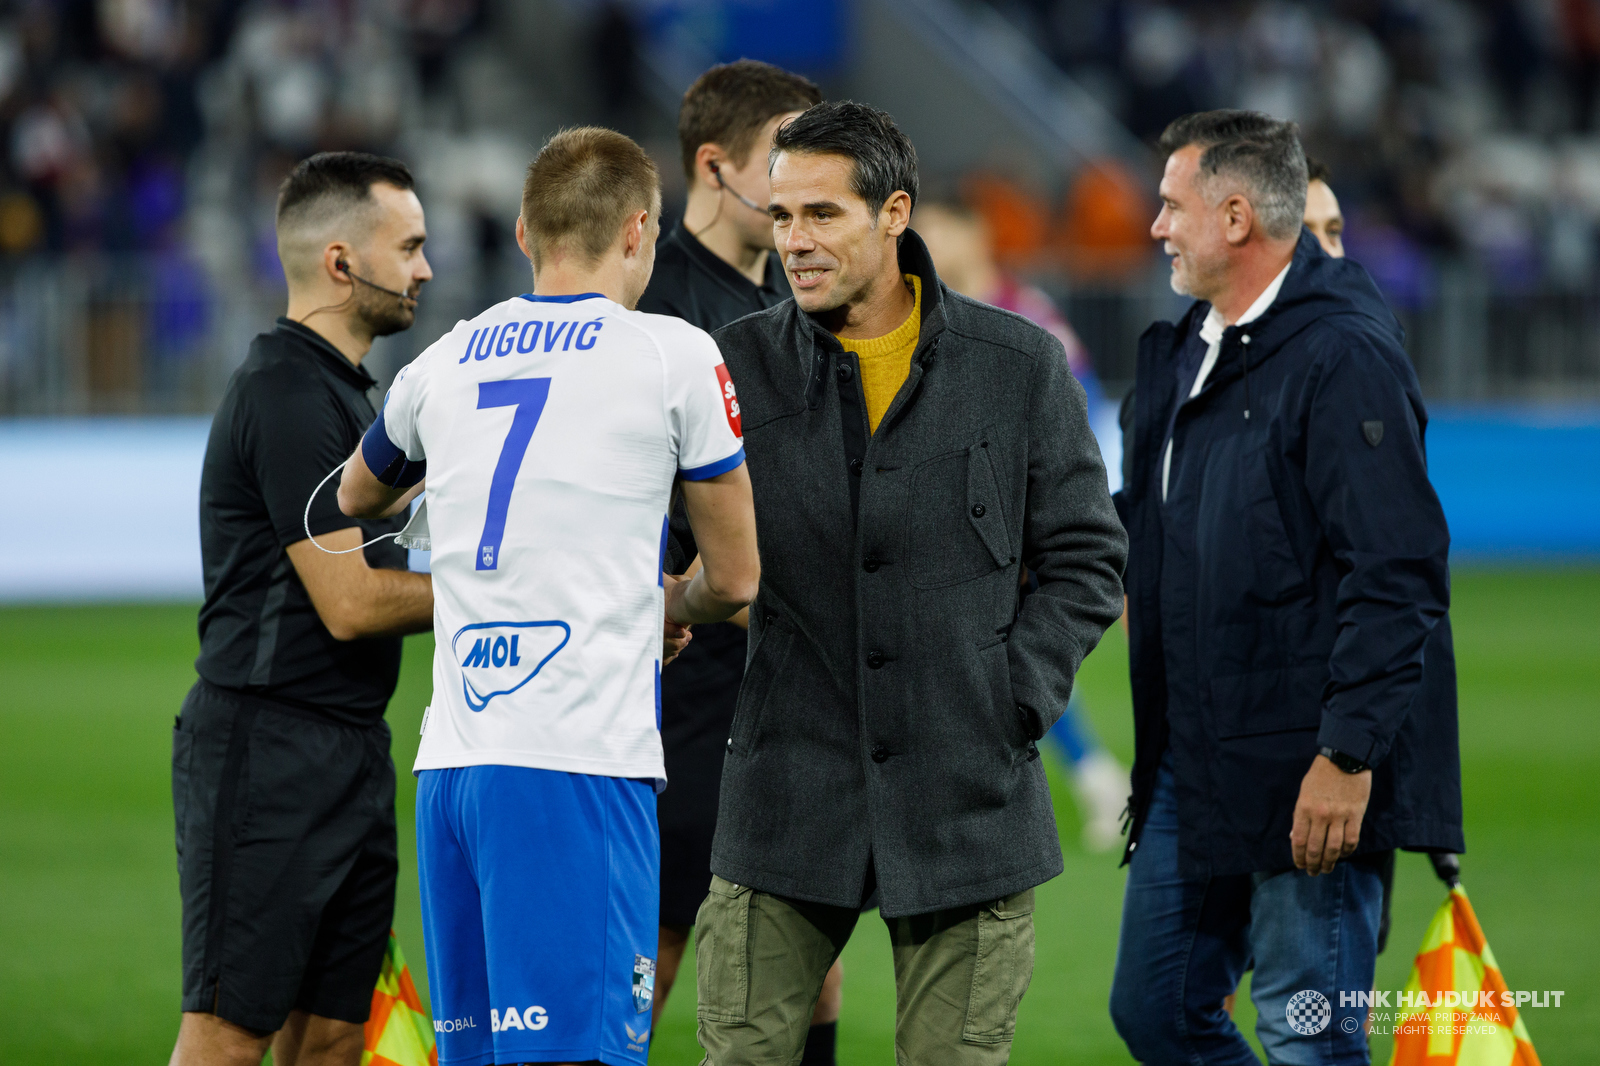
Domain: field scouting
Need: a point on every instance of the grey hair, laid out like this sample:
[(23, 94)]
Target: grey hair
[(1260, 152)]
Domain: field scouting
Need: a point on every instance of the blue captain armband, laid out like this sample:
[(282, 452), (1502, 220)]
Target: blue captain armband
[(387, 462)]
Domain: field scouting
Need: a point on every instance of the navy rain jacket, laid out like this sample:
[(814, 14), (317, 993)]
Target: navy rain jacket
[(1292, 591)]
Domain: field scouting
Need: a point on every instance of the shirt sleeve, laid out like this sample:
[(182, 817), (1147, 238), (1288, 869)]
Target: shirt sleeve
[(292, 436), (391, 447), (702, 405)]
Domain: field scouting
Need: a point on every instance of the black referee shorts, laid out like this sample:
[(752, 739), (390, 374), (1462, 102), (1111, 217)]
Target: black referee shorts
[(286, 859)]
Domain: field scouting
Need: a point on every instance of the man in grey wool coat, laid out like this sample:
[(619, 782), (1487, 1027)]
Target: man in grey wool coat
[(911, 450)]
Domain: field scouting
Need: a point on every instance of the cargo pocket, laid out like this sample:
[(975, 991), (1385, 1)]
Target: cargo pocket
[(182, 755), (1002, 969), (722, 952)]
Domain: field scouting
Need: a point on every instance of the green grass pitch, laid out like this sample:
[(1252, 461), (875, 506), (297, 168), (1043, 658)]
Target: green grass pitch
[(88, 881)]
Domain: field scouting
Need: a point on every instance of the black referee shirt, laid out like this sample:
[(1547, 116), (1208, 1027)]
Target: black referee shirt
[(691, 283), (293, 411)]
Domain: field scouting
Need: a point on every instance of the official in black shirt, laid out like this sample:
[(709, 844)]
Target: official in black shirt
[(282, 783), (717, 264), (285, 422)]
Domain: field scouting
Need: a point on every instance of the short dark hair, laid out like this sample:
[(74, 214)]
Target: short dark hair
[(581, 187), (885, 161), (729, 104), (1317, 170), (338, 176), (1260, 151)]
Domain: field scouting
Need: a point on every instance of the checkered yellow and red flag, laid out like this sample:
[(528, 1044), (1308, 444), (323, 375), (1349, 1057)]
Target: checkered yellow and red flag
[(399, 1032), (1462, 1013)]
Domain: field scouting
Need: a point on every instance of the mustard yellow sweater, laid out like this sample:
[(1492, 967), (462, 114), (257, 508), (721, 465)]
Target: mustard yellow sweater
[(886, 360)]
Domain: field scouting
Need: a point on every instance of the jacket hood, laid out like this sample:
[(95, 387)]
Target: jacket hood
[(1316, 287)]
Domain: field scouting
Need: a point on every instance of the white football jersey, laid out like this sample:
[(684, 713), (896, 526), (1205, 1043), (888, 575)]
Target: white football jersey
[(552, 429)]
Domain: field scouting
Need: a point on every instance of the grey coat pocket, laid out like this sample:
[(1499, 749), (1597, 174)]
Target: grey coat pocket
[(957, 522), (768, 655)]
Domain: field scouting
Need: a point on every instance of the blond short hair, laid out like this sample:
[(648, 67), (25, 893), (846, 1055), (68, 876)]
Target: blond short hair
[(581, 187)]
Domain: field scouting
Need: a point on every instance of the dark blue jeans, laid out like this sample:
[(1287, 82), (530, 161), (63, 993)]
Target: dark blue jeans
[(1186, 943)]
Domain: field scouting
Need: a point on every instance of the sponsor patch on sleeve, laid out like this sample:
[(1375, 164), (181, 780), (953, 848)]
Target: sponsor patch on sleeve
[(730, 400)]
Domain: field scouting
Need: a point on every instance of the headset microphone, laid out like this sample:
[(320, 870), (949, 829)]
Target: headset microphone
[(737, 195), (342, 265)]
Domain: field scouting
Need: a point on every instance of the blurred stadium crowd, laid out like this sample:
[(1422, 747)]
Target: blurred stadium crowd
[(143, 141), (1450, 125), (124, 119)]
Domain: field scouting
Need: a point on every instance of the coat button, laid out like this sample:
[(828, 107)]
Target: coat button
[(880, 754), (845, 372), (875, 659), (855, 467), (870, 566), (730, 743), (978, 510)]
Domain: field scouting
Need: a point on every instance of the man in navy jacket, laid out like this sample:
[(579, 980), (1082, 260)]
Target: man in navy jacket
[(1288, 584)]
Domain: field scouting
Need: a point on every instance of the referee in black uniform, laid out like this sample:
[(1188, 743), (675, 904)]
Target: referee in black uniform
[(282, 783), (716, 265)]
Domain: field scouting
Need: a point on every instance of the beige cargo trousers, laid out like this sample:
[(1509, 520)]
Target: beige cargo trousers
[(959, 975)]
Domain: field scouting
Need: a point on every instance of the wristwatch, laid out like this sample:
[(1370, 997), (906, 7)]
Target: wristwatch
[(1348, 763)]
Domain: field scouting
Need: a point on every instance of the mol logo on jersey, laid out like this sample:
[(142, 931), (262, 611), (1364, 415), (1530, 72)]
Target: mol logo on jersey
[(497, 658)]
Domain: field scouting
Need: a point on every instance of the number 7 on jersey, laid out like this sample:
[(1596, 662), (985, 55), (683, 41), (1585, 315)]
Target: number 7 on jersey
[(528, 396)]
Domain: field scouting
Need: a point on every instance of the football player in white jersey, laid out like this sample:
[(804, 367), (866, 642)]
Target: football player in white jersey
[(551, 429)]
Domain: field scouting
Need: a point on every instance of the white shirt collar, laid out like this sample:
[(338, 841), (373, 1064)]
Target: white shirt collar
[(1211, 329)]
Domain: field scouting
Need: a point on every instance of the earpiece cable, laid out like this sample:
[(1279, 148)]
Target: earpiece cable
[(313, 499)]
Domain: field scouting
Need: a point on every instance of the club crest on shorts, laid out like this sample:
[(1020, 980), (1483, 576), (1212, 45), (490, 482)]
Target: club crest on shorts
[(497, 658), (644, 983)]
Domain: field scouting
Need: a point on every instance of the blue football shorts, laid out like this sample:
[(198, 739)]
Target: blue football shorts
[(539, 912)]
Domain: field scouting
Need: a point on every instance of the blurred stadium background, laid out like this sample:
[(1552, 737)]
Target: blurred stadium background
[(141, 142)]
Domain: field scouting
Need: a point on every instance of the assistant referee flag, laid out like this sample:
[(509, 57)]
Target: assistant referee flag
[(1456, 1009), (399, 1032)]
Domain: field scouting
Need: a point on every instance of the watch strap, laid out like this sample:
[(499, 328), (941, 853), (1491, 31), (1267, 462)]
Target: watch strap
[(1348, 763)]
